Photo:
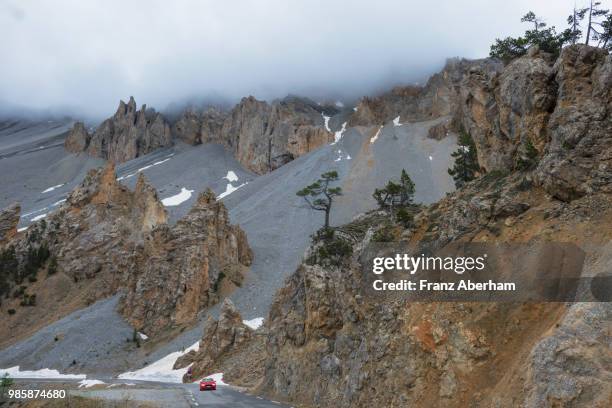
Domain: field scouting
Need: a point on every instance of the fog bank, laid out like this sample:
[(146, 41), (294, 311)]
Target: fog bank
[(80, 58)]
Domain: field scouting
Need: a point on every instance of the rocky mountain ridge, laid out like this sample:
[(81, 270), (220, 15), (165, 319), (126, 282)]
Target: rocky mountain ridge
[(262, 135), (128, 134), (360, 351), (106, 238)]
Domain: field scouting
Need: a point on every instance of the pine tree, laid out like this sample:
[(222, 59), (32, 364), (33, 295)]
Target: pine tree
[(466, 160), (595, 27), (320, 195), (395, 194)]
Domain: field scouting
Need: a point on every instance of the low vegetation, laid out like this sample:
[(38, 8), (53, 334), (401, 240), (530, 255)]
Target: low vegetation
[(329, 248), (593, 24)]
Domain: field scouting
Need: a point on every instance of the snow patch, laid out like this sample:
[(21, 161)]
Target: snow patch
[(51, 188), (143, 336), (39, 217), (22, 229), (161, 370), (254, 323), (55, 204), (396, 122), (373, 139), (341, 156), (355, 109), (326, 119), (231, 176), (90, 383), (338, 134), (229, 189), (15, 372), (339, 104), (218, 377), (430, 158), (177, 199)]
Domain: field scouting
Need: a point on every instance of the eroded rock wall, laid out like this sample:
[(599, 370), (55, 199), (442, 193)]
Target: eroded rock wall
[(128, 134), (118, 239)]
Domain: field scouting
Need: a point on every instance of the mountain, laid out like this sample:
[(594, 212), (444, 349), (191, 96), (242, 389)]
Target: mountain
[(106, 238), (357, 349), (128, 134), (262, 136), (145, 254)]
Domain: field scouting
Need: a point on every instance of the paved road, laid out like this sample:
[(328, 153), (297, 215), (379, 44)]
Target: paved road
[(226, 397), (166, 395)]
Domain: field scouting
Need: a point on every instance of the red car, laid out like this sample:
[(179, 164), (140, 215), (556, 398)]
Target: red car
[(208, 384)]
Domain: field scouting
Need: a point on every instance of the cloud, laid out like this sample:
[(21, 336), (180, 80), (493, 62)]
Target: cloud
[(83, 56)]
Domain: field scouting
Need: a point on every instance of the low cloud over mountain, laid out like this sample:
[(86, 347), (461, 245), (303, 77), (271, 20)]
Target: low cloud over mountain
[(81, 57)]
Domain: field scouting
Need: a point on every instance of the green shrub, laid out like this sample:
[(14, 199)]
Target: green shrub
[(384, 234), (329, 249), (404, 217), (52, 268)]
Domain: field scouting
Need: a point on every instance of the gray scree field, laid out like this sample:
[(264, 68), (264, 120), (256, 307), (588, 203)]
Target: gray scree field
[(277, 223)]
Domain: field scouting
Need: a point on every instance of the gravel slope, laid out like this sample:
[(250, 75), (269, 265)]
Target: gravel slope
[(277, 223)]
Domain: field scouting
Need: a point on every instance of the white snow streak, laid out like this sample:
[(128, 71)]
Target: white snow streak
[(396, 122), (157, 163), (338, 134), (15, 372), (177, 199), (34, 212), (326, 119), (161, 370), (373, 139), (38, 217), (90, 383), (51, 188), (229, 189)]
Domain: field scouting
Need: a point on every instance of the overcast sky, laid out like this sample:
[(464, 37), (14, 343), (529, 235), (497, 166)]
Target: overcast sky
[(81, 57)]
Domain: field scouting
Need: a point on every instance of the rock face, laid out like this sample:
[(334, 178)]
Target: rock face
[(78, 138), (128, 134), (360, 351), (561, 108), (9, 218), (268, 136), (119, 238), (220, 338), (262, 136), (184, 265), (579, 156)]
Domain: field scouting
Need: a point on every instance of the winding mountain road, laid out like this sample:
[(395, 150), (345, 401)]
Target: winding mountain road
[(165, 395)]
